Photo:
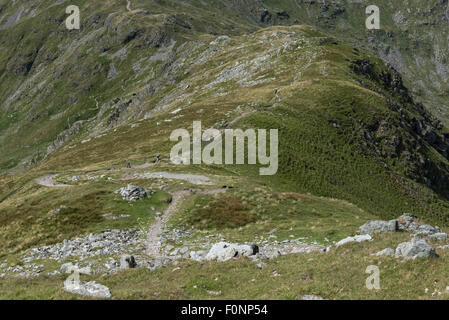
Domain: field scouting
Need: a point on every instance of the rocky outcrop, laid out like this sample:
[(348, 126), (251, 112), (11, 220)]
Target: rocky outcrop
[(65, 136), (133, 193), (416, 248), (373, 226), (108, 242), (90, 289), (407, 222), (223, 251)]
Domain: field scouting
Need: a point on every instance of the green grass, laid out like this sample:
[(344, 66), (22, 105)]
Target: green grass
[(338, 274), (331, 177), (249, 215), (32, 222)]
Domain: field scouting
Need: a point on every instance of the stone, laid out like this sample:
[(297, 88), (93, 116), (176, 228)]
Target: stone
[(223, 251), (127, 262), (416, 248), (438, 236), (407, 222), (426, 230), (66, 268), (360, 238), (91, 289), (373, 226), (108, 242), (310, 297), (133, 193), (198, 255), (385, 252)]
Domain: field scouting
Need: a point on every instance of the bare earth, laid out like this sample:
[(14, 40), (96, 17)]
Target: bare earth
[(48, 181), (154, 244)]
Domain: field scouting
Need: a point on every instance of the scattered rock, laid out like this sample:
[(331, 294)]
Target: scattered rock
[(58, 210), (108, 242), (214, 293), (109, 216), (360, 238)]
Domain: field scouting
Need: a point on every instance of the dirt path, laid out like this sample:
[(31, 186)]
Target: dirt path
[(128, 5), (48, 181), (154, 244), (191, 178), (244, 114)]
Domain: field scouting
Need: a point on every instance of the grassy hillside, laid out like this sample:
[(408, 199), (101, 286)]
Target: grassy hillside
[(354, 142)]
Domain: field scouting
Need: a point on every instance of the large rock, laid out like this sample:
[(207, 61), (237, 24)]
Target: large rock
[(416, 248), (90, 289), (379, 226), (198, 255), (223, 251), (407, 222), (426, 230), (133, 193), (360, 238)]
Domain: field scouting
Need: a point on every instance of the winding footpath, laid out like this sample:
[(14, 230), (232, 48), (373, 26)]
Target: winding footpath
[(49, 181), (154, 240)]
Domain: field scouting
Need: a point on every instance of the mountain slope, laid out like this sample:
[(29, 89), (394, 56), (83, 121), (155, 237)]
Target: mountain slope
[(354, 141)]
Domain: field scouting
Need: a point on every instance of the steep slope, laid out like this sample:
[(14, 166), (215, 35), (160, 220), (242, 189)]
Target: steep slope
[(348, 128), (53, 78), (354, 144)]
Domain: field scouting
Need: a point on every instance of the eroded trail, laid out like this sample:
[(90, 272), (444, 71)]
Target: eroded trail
[(154, 243), (49, 181)]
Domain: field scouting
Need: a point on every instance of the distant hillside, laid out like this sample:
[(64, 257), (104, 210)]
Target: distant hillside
[(116, 88)]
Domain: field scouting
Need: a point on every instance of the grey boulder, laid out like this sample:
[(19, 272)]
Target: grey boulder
[(90, 289), (407, 222), (360, 238), (373, 226), (416, 248), (223, 251), (133, 193)]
